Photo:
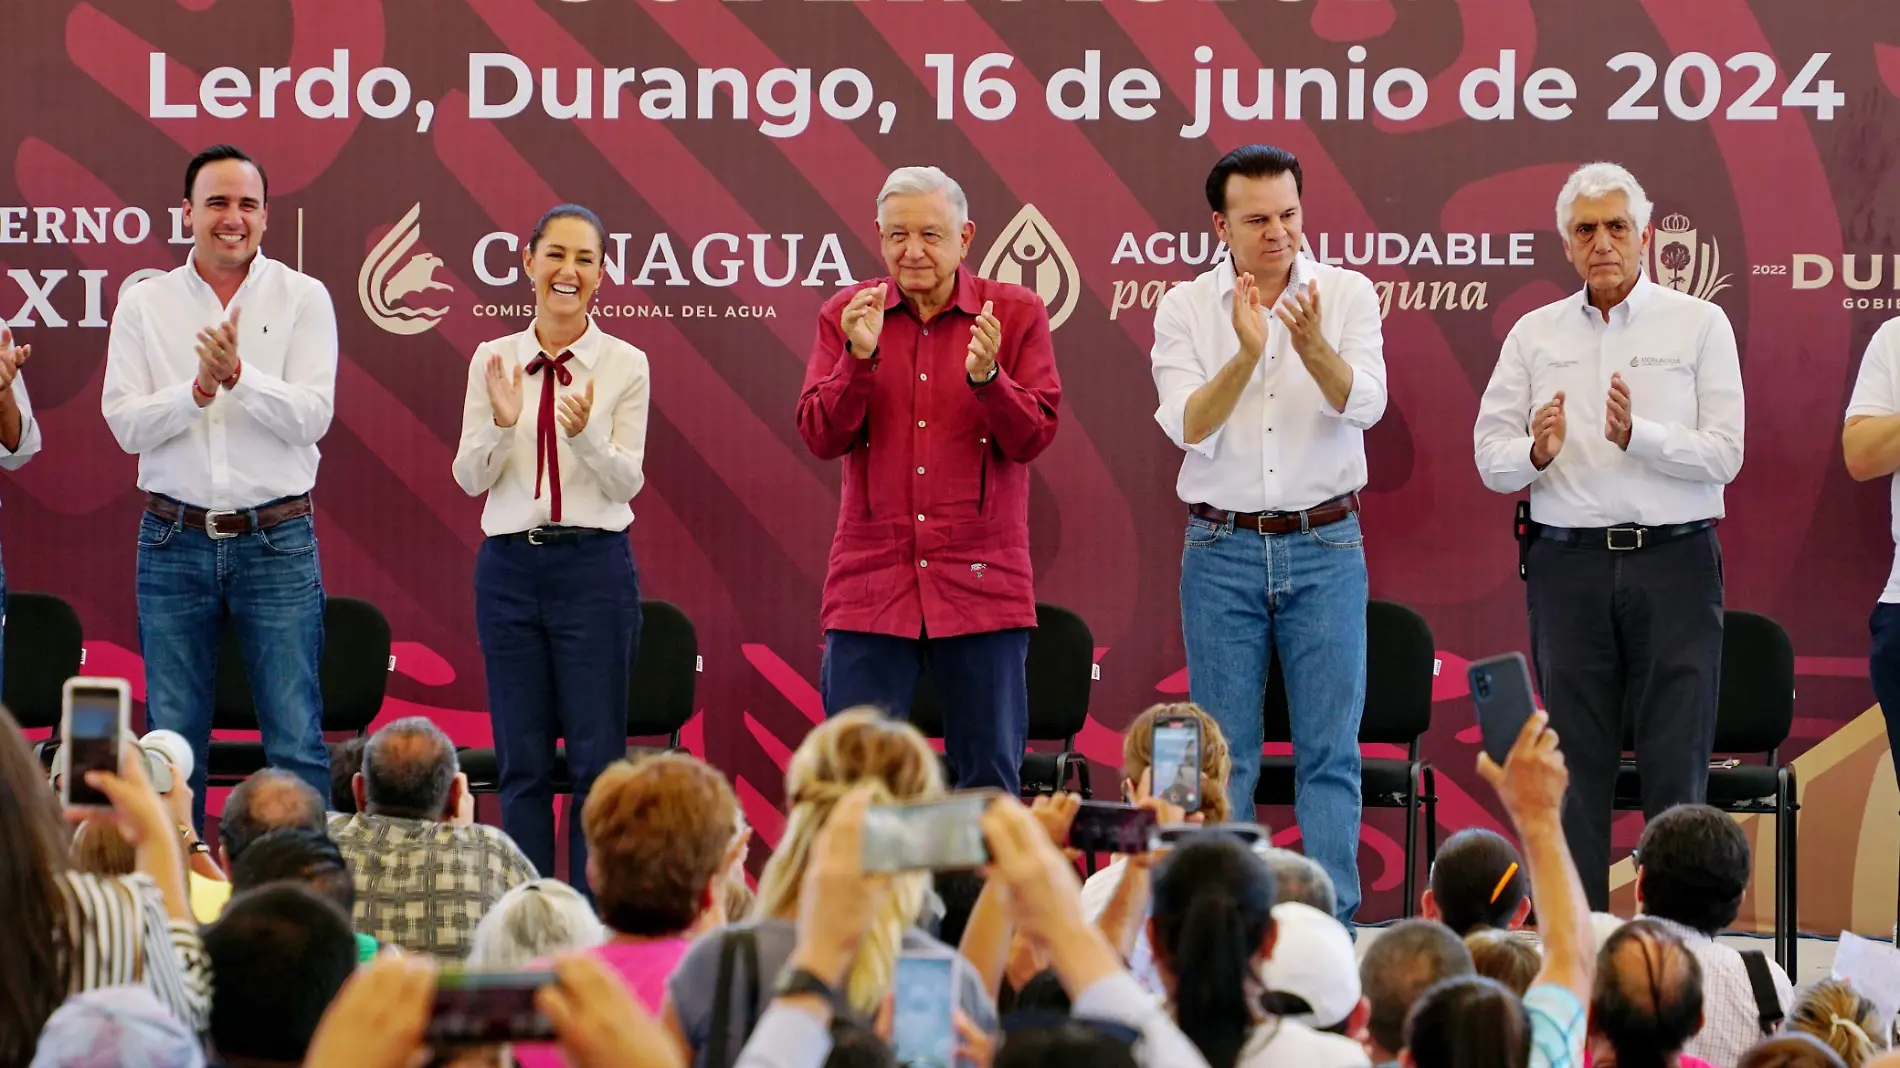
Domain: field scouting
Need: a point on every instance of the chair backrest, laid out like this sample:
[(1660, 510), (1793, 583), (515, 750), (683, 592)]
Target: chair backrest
[(661, 689), (1754, 710), (354, 672), (43, 650), (1060, 670), (1401, 657)]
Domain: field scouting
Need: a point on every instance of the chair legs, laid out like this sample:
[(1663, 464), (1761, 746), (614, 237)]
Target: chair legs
[(1414, 788), (1787, 864)]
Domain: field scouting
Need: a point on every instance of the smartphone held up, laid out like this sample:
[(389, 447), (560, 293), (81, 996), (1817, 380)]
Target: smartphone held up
[(94, 718), (1175, 773), (1502, 693), (927, 836)]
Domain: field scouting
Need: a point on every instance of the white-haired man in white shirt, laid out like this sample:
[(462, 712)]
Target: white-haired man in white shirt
[(1623, 567), (221, 378)]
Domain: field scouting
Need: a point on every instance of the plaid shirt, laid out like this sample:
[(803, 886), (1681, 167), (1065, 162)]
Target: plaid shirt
[(1730, 1021), (424, 885)]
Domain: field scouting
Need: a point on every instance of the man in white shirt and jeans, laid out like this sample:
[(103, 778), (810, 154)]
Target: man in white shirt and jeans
[(1623, 566), (221, 377), (1270, 396)]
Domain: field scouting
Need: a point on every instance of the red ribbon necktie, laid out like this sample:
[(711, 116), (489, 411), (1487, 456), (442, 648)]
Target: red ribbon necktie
[(547, 455)]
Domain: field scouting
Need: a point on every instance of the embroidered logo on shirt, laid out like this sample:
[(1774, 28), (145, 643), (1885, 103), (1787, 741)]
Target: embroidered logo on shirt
[(978, 569), (1655, 361)]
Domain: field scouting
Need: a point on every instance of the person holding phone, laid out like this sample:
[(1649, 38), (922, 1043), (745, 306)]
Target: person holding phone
[(68, 931), (554, 428), (953, 376), (1270, 369), (221, 377), (1622, 564)]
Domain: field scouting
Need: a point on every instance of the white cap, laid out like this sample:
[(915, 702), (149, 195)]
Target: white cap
[(1312, 960), (175, 748)]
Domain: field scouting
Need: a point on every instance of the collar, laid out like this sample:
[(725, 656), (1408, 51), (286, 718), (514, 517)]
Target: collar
[(1638, 297), (963, 293), (1681, 930), (584, 347), (1303, 270), (251, 273)]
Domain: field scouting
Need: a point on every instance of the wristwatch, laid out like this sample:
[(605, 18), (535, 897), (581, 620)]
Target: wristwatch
[(193, 844), (794, 982), (988, 378)]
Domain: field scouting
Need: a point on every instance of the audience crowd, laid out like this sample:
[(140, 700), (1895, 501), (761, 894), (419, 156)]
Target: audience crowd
[(317, 930)]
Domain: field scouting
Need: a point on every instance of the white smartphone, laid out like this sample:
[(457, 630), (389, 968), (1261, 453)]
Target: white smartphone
[(923, 1032), (94, 717)]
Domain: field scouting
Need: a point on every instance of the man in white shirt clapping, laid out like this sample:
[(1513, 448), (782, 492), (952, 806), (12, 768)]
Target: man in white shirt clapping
[(1270, 397), (19, 431), (221, 378), (1623, 565)]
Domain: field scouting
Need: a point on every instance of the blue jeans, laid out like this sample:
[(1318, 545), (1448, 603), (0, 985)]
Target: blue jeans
[(268, 586), (559, 626), (982, 685), (1303, 595)]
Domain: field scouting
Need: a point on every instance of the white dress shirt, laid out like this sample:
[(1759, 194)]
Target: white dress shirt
[(1676, 354), (252, 444), (1284, 448), (1876, 393), (14, 459), (600, 466)]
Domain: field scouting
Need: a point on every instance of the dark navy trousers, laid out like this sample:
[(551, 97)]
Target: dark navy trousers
[(982, 684), (559, 626)]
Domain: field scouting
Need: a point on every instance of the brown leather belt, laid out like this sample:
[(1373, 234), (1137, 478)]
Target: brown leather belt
[(220, 523), (1319, 515)]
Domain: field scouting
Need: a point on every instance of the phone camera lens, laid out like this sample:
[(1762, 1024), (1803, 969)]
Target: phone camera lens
[(1482, 684)]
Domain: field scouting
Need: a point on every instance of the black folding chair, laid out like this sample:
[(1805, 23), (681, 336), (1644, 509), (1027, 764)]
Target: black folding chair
[(1753, 714), (1401, 661), (44, 647), (353, 674), (659, 696), (1061, 670)]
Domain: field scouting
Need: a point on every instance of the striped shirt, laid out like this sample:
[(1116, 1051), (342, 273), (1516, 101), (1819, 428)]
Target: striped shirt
[(122, 936)]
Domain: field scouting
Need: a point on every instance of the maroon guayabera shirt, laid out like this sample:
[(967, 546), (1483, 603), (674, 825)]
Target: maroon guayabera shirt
[(933, 527)]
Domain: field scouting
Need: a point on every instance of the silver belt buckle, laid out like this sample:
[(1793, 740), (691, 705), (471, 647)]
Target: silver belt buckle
[(534, 536), (1610, 538), (211, 524)]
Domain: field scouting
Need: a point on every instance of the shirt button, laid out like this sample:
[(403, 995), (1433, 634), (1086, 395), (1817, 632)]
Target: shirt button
[(920, 517), (920, 470), (923, 563), (921, 377), (926, 331), (920, 424), (983, 441)]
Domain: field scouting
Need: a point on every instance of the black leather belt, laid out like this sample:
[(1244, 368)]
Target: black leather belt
[(1623, 538), (555, 535)]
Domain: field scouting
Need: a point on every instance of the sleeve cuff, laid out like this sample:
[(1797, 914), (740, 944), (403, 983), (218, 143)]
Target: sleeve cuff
[(1646, 438), (591, 441), (860, 370), (1363, 407), (1173, 420), (1873, 411), (187, 401)]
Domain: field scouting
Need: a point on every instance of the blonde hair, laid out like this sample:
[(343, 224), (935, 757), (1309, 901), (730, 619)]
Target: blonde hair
[(1506, 956), (99, 849), (857, 747), (1217, 762), (1834, 1012)]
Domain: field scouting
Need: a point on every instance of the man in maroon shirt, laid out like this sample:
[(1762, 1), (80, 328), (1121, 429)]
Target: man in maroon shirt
[(937, 387)]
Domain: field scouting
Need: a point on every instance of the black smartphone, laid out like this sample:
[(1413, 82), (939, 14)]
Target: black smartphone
[(1501, 690), (94, 715), (477, 1008), (1108, 827), (930, 836), (1175, 767)]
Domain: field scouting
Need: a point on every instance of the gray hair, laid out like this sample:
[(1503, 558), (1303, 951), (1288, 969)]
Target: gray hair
[(1300, 878), (408, 767), (1600, 180), (536, 919), (922, 182)]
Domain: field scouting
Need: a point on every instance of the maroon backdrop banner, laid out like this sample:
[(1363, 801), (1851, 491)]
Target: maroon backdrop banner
[(734, 150)]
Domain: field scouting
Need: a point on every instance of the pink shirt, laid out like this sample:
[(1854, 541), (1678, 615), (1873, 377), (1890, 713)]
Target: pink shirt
[(1684, 1061), (643, 965), (933, 524)]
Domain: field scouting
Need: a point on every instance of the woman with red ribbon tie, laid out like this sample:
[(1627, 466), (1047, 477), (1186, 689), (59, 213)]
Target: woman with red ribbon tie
[(557, 598)]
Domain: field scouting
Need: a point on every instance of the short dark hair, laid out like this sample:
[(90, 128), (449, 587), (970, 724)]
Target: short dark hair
[(856, 1045), (1399, 966), (269, 800), (1251, 161), (1064, 1044), (1692, 866), (346, 759), (280, 953), (568, 211), (222, 152), (1474, 865), (1043, 992), (408, 768), (1648, 997), (1213, 904), (297, 855), (1468, 1021)]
